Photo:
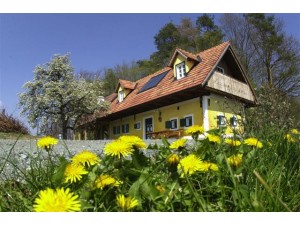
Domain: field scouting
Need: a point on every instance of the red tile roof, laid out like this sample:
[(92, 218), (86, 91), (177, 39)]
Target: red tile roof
[(127, 84), (168, 85)]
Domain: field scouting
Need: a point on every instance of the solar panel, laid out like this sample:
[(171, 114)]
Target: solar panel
[(153, 81)]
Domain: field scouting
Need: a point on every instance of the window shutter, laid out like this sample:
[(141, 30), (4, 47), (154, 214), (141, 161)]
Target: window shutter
[(183, 122), (168, 124)]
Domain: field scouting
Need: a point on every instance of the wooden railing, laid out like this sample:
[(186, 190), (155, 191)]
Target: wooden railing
[(167, 134)]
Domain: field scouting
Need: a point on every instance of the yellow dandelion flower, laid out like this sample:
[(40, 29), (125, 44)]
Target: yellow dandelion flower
[(58, 200), (118, 148), (106, 180), (160, 188), (196, 129), (173, 159), (290, 138), (178, 144), (235, 160), (74, 172), (86, 158), (232, 142), (47, 142), (214, 138), (295, 131), (253, 142), (126, 204), (134, 141), (206, 166), (189, 165)]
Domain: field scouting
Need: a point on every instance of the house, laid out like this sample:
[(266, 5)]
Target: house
[(210, 89)]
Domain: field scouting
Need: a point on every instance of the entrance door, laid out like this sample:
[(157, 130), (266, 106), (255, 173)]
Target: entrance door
[(148, 127)]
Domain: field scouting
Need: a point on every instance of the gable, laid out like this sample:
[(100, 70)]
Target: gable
[(228, 76)]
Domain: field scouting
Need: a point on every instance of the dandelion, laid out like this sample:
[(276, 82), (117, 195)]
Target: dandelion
[(189, 165), (214, 138), (126, 204), (134, 141), (232, 142), (58, 200), (178, 144), (293, 136), (74, 172), (86, 158), (118, 148), (47, 142), (160, 188), (173, 159), (106, 180), (235, 160), (295, 131), (253, 142), (196, 129), (206, 166), (290, 138)]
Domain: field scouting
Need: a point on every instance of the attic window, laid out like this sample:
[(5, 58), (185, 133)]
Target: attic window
[(180, 70), (121, 96), (220, 69)]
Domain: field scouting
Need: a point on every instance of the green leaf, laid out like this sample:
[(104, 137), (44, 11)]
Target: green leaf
[(58, 175)]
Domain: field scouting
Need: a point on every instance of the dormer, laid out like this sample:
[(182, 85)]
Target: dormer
[(182, 62), (124, 88)]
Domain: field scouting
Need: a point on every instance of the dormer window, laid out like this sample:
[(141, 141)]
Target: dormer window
[(121, 96), (180, 70)]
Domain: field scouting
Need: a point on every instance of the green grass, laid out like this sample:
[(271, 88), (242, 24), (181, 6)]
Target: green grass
[(267, 180), (15, 136)]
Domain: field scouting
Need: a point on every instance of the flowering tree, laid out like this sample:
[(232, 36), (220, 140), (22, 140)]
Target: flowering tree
[(57, 96)]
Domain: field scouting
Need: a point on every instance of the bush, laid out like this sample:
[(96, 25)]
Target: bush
[(8, 123)]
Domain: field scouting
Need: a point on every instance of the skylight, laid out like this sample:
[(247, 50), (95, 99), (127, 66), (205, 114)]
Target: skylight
[(153, 81)]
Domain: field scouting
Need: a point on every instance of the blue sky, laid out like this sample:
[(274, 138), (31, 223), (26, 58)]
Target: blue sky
[(95, 41)]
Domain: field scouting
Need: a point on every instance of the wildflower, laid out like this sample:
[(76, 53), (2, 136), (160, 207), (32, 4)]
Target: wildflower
[(126, 204), (189, 165), (253, 142), (173, 159), (58, 200), (134, 141), (235, 160), (295, 131), (86, 158), (178, 144), (47, 142), (232, 142), (214, 138), (106, 180), (160, 188), (196, 129), (290, 138), (74, 172), (118, 148), (205, 166)]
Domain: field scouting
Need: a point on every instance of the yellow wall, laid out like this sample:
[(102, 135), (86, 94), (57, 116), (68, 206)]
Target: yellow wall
[(221, 106), (178, 110), (179, 59)]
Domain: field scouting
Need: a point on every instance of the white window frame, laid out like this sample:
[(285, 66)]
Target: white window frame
[(180, 70), (174, 118), (121, 95), (117, 133), (189, 115), (124, 126), (138, 122)]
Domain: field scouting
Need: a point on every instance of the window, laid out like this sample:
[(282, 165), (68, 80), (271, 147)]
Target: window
[(121, 96), (116, 130), (187, 121), (233, 121), (172, 124), (180, 70), (137, 125), (221, 120), (220, 69), (125, 128)]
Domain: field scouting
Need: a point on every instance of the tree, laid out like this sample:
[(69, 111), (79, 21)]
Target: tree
[(56, 95), (277, 53)]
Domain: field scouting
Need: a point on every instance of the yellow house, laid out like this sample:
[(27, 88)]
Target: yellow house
[(209, 88)]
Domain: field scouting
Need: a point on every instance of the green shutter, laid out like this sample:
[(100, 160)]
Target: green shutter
[(168, 124)]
